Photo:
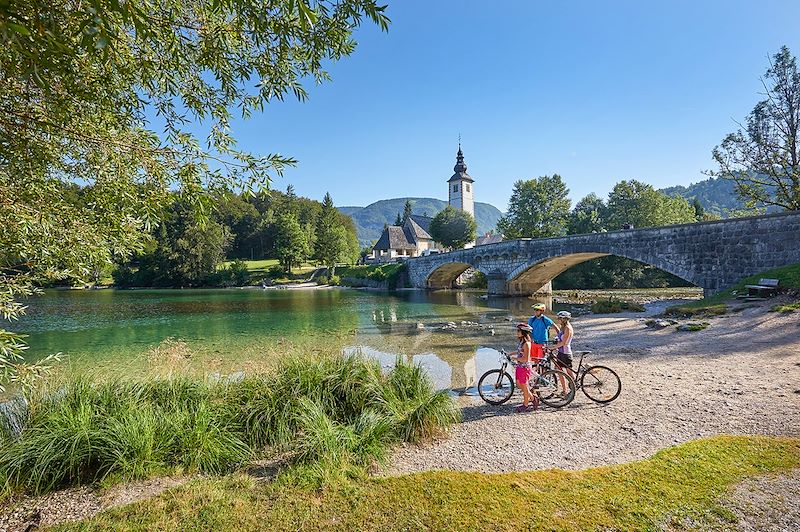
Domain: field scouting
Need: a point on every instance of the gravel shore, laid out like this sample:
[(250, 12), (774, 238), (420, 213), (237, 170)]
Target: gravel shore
[(741, 375)]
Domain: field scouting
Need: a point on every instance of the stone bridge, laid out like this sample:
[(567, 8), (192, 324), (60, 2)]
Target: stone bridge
[(712, 255)]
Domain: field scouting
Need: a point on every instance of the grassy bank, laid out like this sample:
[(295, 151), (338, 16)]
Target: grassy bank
[(389, 273), (676, 486), (331, 418), (789, 277)]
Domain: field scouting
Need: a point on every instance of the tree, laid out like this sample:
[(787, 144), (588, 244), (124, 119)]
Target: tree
[(291, 242), (588, 216), (763, 157), (538, 208), (453, 227), (398, 220), (333, 244), (80, 81), (187, 251), (640, 205), (406, 212)]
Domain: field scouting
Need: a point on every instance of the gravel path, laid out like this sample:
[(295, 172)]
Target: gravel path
[(739, 376)]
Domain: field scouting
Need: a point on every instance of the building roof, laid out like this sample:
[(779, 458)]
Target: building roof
[(460, 169), (393, 237), (488, 238), (418, 226)]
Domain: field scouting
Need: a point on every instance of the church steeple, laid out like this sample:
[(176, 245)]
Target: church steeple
[(460, 193), (461, 166)]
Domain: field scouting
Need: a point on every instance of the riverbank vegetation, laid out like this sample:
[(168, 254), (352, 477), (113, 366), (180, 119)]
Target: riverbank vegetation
[(613, 306), (676, 486), (788, 281), (329, 419)]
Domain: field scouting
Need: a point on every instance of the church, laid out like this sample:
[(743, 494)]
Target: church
[(412, 239)]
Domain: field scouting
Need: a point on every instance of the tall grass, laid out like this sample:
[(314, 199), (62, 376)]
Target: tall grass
[(333, 416)]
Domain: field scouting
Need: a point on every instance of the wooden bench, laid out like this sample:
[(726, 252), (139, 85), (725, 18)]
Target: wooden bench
[(765, 287)]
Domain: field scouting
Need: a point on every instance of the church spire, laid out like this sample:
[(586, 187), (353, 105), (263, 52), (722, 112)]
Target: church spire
[(461, 166)]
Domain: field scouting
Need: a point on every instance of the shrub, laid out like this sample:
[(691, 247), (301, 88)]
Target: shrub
[(689, 311), (611, 306)]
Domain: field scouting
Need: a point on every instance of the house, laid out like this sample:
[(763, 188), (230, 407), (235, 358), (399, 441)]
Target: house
[(401, 242)]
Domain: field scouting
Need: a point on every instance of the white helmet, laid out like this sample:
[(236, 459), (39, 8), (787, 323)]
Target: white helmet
[(564, 314)]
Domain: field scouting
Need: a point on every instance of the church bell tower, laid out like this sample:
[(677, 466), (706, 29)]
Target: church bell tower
[(461, 194)]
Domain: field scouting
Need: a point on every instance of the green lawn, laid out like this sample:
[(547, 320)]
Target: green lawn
[(679, 483)]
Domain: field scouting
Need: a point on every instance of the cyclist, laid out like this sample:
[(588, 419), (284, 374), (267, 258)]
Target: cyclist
[(524, 368), (540, 325), (564, 346)]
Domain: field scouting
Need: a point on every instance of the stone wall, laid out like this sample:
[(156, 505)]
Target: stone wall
[(712, 255)]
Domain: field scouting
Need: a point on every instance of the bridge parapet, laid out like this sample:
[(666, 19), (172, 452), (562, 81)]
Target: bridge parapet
[(712, 255)]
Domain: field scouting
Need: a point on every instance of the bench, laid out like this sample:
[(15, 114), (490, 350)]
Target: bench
[(765, 287)]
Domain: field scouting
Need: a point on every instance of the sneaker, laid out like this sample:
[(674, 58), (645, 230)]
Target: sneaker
[(521, 408)]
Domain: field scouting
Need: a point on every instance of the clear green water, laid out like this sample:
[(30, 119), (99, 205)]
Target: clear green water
[(223, 331)]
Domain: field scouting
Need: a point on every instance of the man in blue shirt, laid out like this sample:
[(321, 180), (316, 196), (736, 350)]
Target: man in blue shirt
[(541, 330)]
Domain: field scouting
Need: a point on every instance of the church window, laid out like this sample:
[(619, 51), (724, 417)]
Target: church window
[(455, 188)]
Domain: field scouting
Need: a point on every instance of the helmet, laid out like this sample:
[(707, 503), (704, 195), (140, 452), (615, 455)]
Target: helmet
[(564, 314), (539, 306), (524, 327)]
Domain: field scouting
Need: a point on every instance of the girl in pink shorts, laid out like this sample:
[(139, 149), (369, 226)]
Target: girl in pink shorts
[(524, 368)]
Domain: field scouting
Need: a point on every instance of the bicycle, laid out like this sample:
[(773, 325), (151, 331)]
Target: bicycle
[(496, 386), (599, 383)]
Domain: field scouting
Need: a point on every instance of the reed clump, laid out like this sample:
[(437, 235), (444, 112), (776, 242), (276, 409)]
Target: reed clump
[(334, 418)]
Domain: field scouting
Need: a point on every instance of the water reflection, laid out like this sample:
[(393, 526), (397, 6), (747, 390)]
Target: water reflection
[(461, 377)]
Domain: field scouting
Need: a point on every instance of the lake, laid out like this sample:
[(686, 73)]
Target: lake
[(229, 330)]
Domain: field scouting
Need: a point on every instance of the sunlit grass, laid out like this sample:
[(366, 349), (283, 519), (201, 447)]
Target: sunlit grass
[(677, 486), (333, 416)]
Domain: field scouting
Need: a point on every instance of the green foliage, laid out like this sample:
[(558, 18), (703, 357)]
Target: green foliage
[(334, 243), (80, 81), (538, 208), (233, 274), (677, 488), (639, 204), (334, 416), (291, 242), (407, 212), (588, 216), (187, 251), (763, 158), (392, 273), (696, 309), (786, 308), (612, 306), (453, 228)]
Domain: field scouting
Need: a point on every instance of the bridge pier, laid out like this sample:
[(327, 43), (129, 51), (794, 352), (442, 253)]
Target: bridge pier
[(498, 286)]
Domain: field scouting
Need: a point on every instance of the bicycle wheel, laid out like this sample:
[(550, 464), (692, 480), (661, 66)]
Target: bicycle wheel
[(555, 388), (601, 384), (496, 387)]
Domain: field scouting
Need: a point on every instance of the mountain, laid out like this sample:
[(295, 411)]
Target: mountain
[(370, 220), (716, 195)]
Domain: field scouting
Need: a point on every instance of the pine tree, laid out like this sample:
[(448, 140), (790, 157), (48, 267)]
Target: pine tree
[(406, 211)]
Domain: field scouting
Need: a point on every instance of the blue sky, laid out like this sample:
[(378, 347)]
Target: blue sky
[(595, 91)]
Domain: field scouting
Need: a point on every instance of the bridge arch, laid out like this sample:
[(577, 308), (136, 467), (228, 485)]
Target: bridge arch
[(444, 275), (532, 276)]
